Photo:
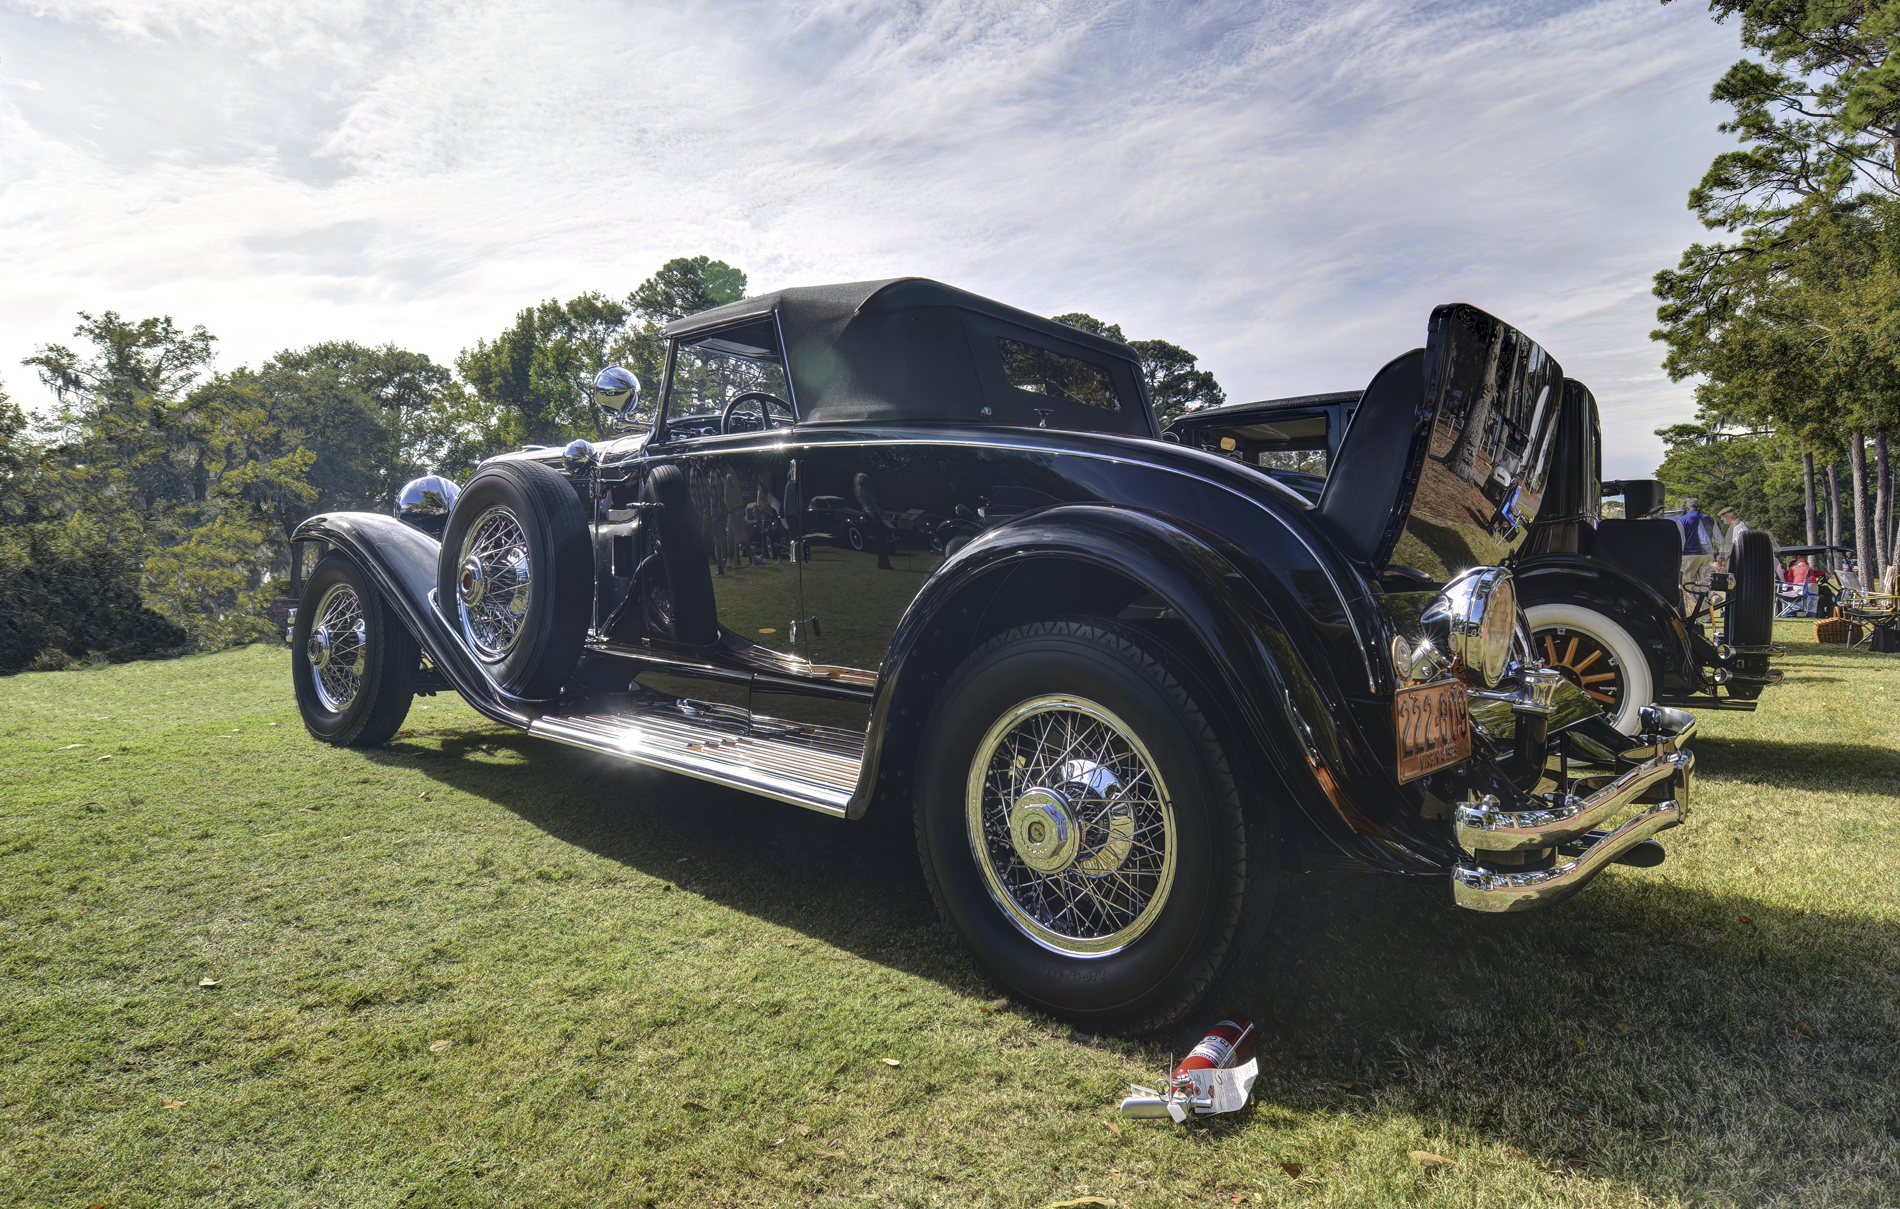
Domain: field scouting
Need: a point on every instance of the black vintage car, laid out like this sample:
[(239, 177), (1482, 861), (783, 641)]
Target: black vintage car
[(1603, 596), (1129, 685)]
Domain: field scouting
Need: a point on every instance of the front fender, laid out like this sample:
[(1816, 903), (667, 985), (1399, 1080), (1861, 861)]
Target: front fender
[(1246, 635), (401, 561), (1652, 621)]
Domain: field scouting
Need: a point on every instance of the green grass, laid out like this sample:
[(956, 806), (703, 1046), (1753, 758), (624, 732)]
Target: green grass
[(661, 993)]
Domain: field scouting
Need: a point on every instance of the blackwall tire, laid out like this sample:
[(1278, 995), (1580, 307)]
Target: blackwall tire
[(683, 555), (1751, 606), (353, 663), (515, 579), (1157, 881), (1552, 627)]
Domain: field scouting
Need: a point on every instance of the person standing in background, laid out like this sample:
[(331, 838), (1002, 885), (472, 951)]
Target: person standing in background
[(1698, 547), (1736, 527)]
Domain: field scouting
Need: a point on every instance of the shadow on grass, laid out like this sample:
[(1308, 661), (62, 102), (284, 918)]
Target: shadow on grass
[(1822, 767), (1642, 1031)]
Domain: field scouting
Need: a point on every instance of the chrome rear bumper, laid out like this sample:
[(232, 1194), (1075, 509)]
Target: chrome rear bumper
[(1482, 826), (1500, 890), (1662, 784)]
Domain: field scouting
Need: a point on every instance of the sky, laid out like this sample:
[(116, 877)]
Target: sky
[(1285, 189)]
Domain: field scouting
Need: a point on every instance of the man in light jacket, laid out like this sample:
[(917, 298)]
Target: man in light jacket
[(1725, 547)]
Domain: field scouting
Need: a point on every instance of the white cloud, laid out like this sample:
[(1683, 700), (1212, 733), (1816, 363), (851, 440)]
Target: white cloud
[(1285, 190)]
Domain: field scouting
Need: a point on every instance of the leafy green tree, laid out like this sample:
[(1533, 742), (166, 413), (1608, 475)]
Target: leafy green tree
[(1175, 385), (535, 374), (216, 583), (685, 285), (124, 444), (530, 385), (373, 418), (70, 594), (1793, 322), (18, 462), (197, 483), (1749, 471)]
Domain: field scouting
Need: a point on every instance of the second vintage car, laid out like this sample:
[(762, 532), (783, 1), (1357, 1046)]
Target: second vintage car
[(1603, 596), (1117, 685)]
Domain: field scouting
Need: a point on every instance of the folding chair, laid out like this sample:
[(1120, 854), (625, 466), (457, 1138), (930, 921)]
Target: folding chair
[(1876, 611)]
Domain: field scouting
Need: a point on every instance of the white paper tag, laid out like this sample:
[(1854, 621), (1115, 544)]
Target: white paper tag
[(1232, 1086), (1224, 1090)]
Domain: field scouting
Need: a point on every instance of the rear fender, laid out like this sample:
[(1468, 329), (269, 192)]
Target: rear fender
[(1243, 647), (401, 561), (1653, 622)]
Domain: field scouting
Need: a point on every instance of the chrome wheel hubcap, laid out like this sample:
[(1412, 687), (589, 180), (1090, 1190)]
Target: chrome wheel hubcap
[(495, 585), (1071, 826), (335, 648)]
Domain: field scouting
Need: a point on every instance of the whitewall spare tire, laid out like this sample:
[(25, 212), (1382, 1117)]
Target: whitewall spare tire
[(1594, 652)]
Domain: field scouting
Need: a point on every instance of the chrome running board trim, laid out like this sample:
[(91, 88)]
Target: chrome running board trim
[(1482, 827), (1499, 890), (811, 766)]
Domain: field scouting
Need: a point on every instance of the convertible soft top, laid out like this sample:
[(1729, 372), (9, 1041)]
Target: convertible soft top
[(912, 350)]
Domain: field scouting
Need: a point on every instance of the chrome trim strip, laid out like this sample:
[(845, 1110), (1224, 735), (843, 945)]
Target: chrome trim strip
[(817, 774), (1481, 827), (1493, 890)]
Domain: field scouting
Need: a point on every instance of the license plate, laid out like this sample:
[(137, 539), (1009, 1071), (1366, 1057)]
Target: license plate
[(1434, 725)]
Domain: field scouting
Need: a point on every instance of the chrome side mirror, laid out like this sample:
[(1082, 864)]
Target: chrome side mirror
[(617, 392)]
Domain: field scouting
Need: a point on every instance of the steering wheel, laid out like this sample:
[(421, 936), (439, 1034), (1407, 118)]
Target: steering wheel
[(764, 401)]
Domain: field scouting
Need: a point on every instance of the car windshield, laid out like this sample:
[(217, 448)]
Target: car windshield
[(710, 371)]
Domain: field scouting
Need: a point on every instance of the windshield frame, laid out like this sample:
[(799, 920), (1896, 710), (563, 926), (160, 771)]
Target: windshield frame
[(664, 413)]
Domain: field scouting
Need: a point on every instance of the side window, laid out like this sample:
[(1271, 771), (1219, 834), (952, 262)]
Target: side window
[(1059, 376), (711, 370)]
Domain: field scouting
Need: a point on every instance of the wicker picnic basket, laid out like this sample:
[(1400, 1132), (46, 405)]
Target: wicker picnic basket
[(1837, 630)]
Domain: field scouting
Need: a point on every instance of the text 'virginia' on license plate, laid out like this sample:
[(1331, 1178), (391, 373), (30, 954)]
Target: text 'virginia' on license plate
[(1434, 725)]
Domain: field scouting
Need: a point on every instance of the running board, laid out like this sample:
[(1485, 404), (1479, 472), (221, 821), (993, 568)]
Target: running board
[(811, 766)]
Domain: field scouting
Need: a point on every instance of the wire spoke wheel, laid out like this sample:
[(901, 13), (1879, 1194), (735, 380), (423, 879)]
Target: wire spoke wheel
[(495, 583), (335, 649), (1586, 663), (1071, 826)]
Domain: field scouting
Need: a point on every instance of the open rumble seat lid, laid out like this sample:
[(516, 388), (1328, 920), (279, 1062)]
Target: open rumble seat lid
[(1447, 458)]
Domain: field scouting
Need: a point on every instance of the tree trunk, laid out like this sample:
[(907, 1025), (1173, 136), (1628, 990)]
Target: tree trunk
[(1883, 509), (1857, 463), (1833, 514), (1807, 484)]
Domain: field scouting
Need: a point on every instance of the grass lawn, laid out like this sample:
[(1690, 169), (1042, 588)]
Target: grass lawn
[(474, 968)]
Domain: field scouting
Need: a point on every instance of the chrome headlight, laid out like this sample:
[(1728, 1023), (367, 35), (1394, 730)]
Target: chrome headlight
[(1475, 618)]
